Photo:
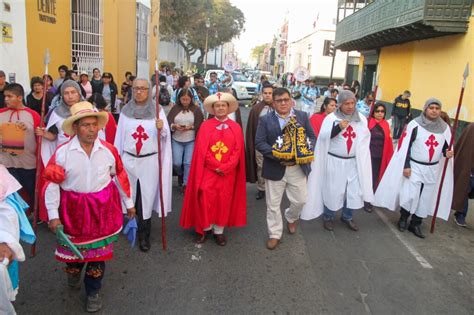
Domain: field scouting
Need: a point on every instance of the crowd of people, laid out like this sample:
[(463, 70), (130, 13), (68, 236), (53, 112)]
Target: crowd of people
[(97, 156)]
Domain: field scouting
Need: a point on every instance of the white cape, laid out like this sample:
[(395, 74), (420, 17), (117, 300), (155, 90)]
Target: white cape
[(388, 191), (150, 172), (316, 180)]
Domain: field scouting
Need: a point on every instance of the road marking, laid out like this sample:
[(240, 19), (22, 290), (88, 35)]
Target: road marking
[(423, 262)]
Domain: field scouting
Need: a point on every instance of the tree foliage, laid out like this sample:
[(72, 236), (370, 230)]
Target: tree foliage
[(258, 50), (184, 21)]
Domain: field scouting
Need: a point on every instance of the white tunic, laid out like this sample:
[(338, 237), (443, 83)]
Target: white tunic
[(138, 137), (48, 147), (396, 190), (333, 179)]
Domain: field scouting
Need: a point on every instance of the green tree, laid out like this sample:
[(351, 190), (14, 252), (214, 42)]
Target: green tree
[(258, 50), (185, 22)]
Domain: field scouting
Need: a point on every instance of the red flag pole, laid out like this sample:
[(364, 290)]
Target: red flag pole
[(38, 154), (160, 162), (455, 127)]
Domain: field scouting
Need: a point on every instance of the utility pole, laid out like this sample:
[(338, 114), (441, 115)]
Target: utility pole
[(208, 24)]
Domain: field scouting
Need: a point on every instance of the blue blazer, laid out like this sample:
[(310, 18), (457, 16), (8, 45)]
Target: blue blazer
[(268, 130)]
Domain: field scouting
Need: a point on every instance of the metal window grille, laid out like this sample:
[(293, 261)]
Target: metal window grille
[(87, 50), (143, 15)]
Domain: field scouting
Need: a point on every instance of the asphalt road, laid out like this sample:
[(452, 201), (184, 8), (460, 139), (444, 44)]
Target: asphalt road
[(377, 270)]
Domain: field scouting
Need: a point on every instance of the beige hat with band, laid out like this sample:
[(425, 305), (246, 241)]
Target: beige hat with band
[(222, 97), (81, 110)]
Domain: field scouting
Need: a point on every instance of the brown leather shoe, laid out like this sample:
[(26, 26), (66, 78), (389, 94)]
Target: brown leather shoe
[(292, 227), (272, 243), (220, 239), (329, 225), (351, 224), (201, 238)]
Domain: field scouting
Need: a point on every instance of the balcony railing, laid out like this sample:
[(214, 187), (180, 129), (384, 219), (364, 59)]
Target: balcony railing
[(389, 22)]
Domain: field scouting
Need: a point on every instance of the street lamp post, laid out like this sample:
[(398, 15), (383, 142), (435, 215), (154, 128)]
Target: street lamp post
[(208, 24)]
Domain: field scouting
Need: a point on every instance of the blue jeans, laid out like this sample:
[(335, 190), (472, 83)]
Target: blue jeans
[(182, 155), (466, 202), (329, 215)]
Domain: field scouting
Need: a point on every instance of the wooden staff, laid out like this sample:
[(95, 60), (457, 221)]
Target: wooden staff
[(38, 153), (160, 162), (453, 135)]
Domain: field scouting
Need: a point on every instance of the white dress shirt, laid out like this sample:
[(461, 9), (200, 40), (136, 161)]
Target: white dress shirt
[(84, 174)]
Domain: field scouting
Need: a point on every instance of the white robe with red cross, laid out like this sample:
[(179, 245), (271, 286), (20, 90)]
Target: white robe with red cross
[(418, 193), (139, 137), (335, 180)]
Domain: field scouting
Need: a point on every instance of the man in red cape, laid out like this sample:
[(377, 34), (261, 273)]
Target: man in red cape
[(215, 195)]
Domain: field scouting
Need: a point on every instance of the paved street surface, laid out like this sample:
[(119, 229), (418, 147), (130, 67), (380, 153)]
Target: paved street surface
[(377, 270)]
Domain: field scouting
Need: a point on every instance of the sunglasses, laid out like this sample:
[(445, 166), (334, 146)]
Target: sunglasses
[(380, 111)]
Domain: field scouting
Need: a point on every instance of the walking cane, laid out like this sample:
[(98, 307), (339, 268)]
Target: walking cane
[(160, 162), (38, 153), (453, 135)]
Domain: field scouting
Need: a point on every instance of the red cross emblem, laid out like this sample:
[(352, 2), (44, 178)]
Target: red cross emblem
[(349, 134), (432, 144), (218, 94), (139, 135)]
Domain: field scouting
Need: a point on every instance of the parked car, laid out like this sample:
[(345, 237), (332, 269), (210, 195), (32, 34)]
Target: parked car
[(242, 88)]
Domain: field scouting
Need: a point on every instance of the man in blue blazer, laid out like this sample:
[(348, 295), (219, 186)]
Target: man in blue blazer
[(284, 171)]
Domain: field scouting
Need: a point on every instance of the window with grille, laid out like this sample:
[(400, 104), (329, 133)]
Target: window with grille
[(87, 50), (143, 14)]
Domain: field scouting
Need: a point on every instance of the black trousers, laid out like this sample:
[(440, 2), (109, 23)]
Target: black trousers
[(376, 163), (93, 277), (26, 178), (398, 125), (144, 226)]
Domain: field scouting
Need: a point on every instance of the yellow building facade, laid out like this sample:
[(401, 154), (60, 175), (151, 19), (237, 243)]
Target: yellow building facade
[(430, 68), (112, 30)]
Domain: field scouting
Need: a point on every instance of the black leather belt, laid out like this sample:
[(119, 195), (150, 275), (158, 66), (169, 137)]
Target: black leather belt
[(140, 156), (424, 163), (341, 157)]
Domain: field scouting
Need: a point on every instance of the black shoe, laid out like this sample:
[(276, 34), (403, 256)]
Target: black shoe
[(144, 245), (180, 180), (260, 194), (415, 229), (402, 224)]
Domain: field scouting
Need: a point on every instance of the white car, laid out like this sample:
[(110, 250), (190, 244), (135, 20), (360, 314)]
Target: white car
[(242, 88)]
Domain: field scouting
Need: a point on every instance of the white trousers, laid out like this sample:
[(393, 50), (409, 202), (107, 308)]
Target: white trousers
[(217, 229), (342, 183), (294, 183)]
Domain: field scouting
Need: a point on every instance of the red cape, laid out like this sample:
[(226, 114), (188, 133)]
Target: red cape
[(191, 215), (110, 129), (387, 145), (316, 121)]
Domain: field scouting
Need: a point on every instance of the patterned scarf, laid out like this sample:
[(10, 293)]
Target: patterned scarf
[(293, 145)]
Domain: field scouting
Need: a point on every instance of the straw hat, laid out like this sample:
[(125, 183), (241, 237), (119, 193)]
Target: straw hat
[(224, 97), (81, 110)]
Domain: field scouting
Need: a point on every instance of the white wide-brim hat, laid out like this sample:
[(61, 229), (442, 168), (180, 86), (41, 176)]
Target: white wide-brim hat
[(81, 110), (222, 97)]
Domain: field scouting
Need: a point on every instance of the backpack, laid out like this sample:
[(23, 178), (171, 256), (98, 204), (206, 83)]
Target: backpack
[(164, 98)]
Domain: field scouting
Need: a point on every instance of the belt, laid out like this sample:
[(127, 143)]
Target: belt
[(141, 156), (341, 157), (288, 163), (424, 163)]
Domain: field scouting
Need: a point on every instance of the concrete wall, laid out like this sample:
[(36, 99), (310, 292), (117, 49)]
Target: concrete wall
[(430, 68), (42, 34), (298, 53)]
